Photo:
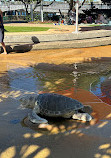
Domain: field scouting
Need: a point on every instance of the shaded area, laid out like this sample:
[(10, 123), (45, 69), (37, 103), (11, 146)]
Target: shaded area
[(55, 125), (64, 138), (21, 142), (90, 28), (21, 47), (18, 48)]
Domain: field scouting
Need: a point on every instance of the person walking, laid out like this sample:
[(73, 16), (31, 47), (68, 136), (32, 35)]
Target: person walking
[(2, 33), (72, 16)]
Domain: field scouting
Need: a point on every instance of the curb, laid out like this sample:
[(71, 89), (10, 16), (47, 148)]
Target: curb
[(56, 37), (24, 43)]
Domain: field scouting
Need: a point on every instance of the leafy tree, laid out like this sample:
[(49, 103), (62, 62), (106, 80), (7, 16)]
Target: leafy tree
[(36, 4), (73, 2), (106, 1)]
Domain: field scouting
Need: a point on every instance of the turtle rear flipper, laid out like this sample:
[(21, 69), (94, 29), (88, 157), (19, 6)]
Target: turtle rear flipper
[(82, 116), (34, 118)]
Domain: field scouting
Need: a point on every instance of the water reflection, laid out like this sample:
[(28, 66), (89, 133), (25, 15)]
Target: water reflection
[(19, 77), (78, 77), (76, 81), (102, 89), (52, 78)]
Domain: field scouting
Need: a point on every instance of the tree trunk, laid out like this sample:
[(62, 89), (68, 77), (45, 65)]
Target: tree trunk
[(82, 4), (26, 8), (71, 4)]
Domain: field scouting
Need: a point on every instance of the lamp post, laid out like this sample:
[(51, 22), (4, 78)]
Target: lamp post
[(77, 5), (41, 11)]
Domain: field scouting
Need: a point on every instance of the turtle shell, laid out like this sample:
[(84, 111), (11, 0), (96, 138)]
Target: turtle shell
[(55, 105)]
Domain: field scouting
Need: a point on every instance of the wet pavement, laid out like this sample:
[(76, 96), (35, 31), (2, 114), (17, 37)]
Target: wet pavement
[(53, 71)]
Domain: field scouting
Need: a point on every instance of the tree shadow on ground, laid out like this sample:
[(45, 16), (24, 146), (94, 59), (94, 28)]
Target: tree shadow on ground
[(21, 47), (64, 139), (22, 142), (91, 28), (18, 48)]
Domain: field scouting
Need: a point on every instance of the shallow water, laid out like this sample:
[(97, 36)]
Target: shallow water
[(58, 79), (53, 78), (75, 81)]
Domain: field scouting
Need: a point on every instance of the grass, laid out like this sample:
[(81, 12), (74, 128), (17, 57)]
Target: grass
[(25, 29)]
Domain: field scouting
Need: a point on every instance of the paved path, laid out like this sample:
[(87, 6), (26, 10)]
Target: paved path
[(68, 55), (60, 36)]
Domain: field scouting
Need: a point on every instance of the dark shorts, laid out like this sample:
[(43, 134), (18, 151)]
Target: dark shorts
[(1, 35)]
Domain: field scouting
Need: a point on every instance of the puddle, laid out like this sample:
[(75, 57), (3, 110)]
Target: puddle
[(76, 81), (102, 89)]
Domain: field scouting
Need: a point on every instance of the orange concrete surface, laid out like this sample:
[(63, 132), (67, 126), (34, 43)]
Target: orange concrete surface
[(59, 56)]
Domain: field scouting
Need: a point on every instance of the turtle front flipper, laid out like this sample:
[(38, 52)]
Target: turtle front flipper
[(82, 116), (34, 118)]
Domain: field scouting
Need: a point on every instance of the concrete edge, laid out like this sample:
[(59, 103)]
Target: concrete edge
[(73, 44), (56, 37), (11, 47)]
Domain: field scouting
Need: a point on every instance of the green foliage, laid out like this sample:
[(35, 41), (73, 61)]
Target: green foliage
[(28, 18), (106, 1)]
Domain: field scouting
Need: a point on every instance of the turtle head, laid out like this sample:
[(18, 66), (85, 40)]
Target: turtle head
[(27, 102)]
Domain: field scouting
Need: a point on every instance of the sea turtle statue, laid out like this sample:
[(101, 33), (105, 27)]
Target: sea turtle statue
[(54, 105)]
